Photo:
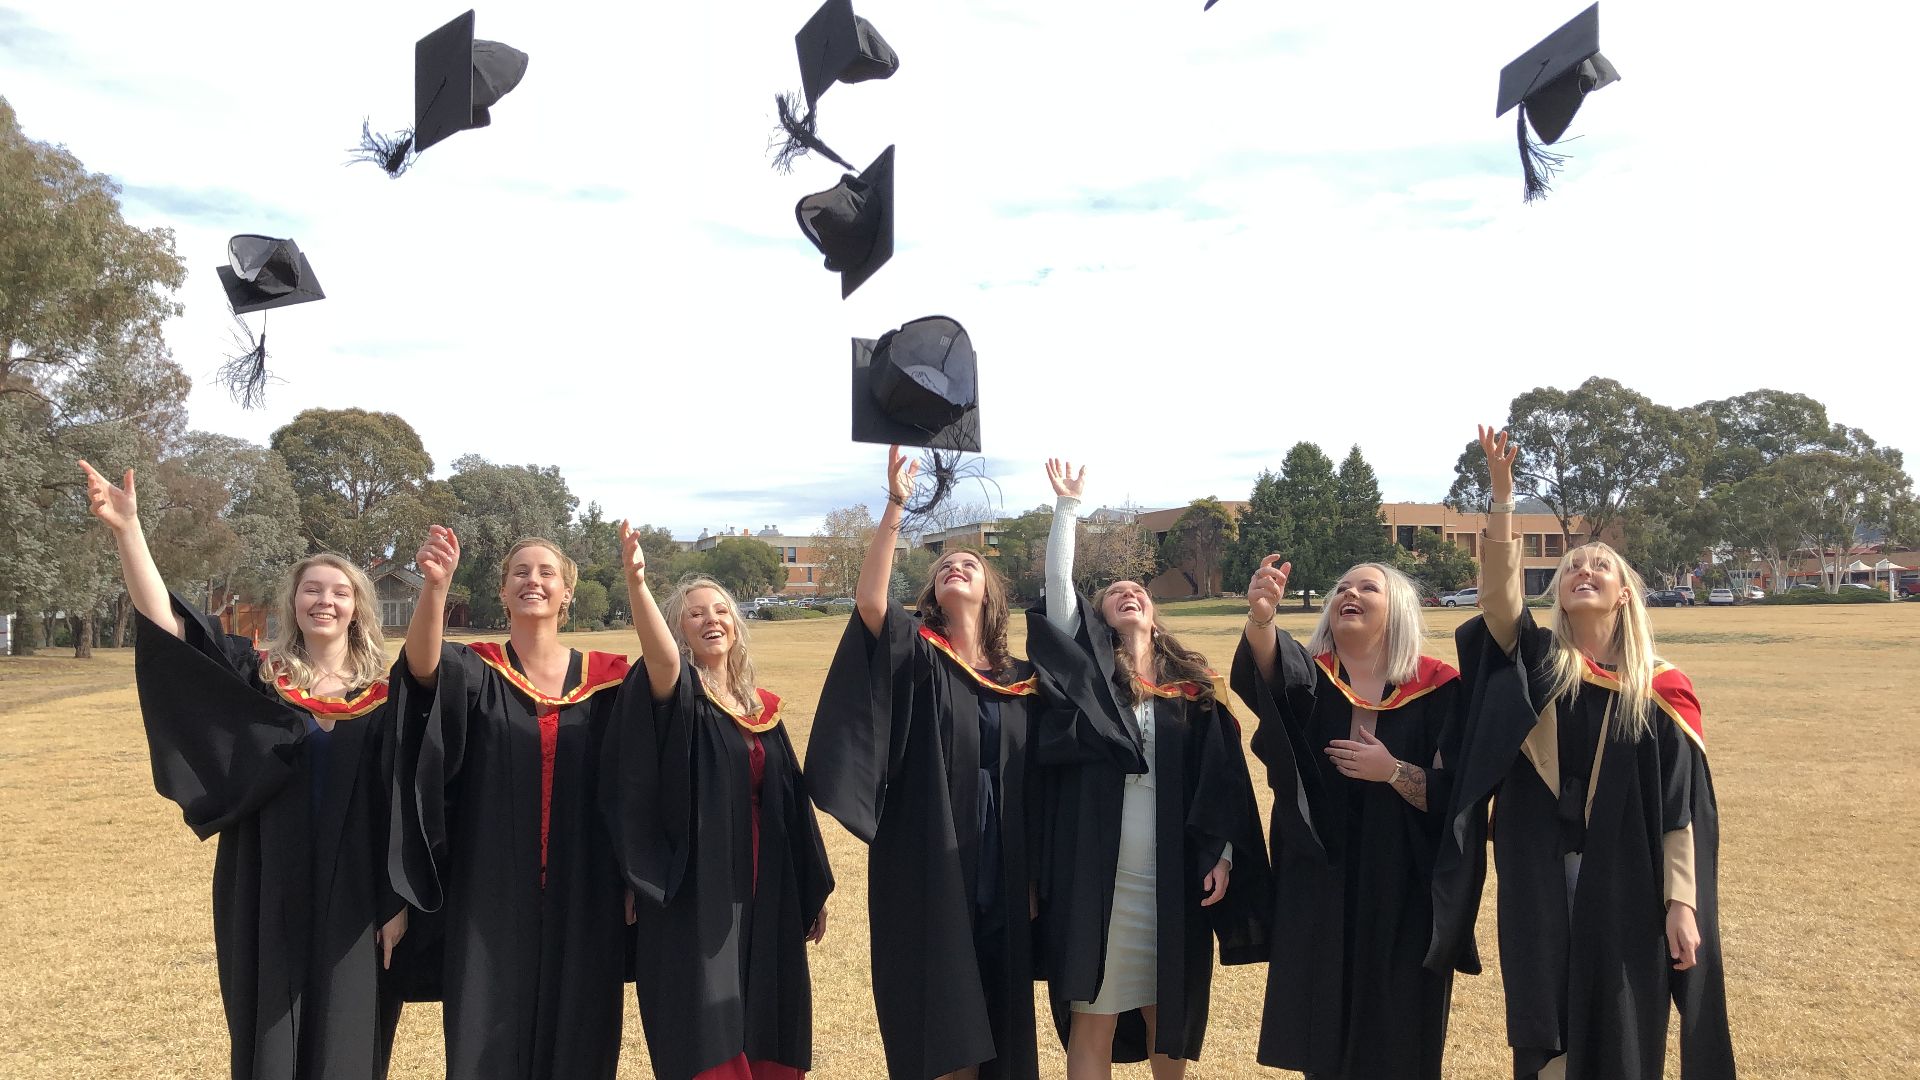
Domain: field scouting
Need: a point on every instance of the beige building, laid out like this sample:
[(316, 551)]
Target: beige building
[(797, 554)]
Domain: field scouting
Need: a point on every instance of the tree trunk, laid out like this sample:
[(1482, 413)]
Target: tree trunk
[(123, 623), (25, 638), (82, 636)]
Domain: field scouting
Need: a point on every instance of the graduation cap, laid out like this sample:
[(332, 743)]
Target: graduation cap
[(262, 272), (852, 222), (1548, 82), (834, 46), (457, 79), (919, 386)]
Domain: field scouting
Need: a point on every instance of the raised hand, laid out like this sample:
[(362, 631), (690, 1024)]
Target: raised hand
[(1500, 450), (633, 558), (1267, 589), (900, 473), (116, 506), (438, 557), (1067, 484)]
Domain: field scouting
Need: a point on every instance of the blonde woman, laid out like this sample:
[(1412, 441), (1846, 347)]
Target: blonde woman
[(1608, 837), (1354, 730), (281, 754), (716, 835), (498, 824)]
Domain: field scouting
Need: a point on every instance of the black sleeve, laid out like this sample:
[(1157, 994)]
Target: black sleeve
[(434, 724), (811, 868), (866, 710), (1282, 707), (1223, 811), (1676, 773), (648, 800)]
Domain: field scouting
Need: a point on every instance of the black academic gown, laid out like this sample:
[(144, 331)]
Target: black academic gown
[(895, 756), (300, 880), (1087, 742), (1347, 995), (535, 954), (724, 967), (1592, 983)]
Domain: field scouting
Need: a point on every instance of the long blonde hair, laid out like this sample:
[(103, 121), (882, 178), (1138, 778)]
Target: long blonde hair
[(569, 570), (739, 680), (1632, 642), (287, 649), (1406, 631)]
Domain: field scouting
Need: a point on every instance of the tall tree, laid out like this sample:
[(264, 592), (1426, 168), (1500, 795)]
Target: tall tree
[(1753, 430), (1110, 551), (361, 478), (1200, 539), (497, 505), (1843, 494), (1309, 495), (1023, 554), (1263, 531), (838, 547), (1359, 535), (747, 567), (1435, 562)]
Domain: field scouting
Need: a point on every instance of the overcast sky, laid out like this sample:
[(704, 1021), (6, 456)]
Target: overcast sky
[(1181, 242)]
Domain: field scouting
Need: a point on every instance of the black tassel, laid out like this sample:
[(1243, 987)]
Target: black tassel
[(393, 153), (245, 372), (1539, 164), (940, 472), (796, 137)]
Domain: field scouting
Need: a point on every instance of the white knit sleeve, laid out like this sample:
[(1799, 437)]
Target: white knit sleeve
[(1062, 601)]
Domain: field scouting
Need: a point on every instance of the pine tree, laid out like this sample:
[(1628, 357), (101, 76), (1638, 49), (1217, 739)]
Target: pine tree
[(1310, 495), (1359, 536)]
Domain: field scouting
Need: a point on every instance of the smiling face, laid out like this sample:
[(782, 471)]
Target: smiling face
[(1591, 581), (706, 625), (323, 604), (1125, 605), (535, 585), (959, 581), (1359, 604)]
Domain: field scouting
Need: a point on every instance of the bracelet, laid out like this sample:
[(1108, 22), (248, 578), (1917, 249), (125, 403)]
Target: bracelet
[(1259, 625), (1397, 766), (1500, 508)]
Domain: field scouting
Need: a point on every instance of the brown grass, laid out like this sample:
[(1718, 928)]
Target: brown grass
[(105, 921)]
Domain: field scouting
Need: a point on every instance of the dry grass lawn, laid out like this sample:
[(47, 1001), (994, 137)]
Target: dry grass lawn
[(105, 924)]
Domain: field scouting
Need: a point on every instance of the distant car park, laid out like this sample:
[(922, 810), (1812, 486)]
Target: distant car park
[(1686, 592), (1668, 598)]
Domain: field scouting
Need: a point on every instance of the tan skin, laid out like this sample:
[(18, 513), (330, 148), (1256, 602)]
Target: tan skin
[(1128, 609), (706, 621), (1592, 592), (323, 609)]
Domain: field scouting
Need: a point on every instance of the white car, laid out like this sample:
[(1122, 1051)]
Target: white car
[(1463, 598), (1755, 592), (1720, 596)]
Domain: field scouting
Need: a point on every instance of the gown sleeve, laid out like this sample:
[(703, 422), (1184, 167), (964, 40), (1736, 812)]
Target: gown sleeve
[(1224, 812), (221, 747), (433, 727), (649, 803), (860, 732), (811, 869), (1283, 705)]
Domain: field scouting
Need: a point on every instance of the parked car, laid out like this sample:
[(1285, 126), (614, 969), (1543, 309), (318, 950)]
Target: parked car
[(1755, 592), (1720, 597), (1910, 588), (1463, 598), (1856, 585), (1668, 598)]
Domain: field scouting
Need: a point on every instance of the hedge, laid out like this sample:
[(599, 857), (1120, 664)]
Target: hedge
[(1816, 596)]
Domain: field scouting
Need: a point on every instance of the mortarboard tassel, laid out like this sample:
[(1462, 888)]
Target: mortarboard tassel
[(796, 137), (942, 470), (393, 153), (1539, 164), (245, 373)]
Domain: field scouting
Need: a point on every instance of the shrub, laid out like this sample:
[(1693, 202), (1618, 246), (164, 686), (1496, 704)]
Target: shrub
[(1796, 597), (784, 612)]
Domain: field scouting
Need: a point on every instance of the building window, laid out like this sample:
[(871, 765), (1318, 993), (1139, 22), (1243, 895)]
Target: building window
[(1404, 536), (793, 555), (1553, 548), (1534, 541), (809, 575)]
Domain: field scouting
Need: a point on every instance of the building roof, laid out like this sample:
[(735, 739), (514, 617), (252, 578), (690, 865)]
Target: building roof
[(395, 570)]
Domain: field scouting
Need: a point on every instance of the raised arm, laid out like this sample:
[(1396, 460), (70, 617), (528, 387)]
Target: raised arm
[(1062, 598), (119, 508), (1502, 596), (437, 559), (657, 649), (1264, 593), (876, 571)]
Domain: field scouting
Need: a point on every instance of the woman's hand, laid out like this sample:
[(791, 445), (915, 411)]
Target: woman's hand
[(1683, 936), (818, 931), (438, 557), (1216, 883), (900, 473), (389, 936), (1267, 589), (116, 506), (633, 558), (1066, 483), (1500, 451), (1365, 758)]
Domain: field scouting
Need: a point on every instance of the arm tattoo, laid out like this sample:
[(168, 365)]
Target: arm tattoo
[(1412, 786)]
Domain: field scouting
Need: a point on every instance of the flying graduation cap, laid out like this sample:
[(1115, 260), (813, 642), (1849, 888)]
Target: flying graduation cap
[(919, 386), (262, 272), (1548, 82), (834, 46), (457, 78), (852, 222)]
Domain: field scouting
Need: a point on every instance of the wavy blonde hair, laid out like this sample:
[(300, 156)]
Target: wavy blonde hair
[(1406, 631), (739, 681), (569, 570), (994, 611), (1632, 641), (287, 649)]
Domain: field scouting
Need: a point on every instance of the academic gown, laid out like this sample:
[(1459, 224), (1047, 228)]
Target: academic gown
[(300, 884), (728, 880), (1347, 995), (1594, 982), (895, 755), (497, 827), (1087, 742)]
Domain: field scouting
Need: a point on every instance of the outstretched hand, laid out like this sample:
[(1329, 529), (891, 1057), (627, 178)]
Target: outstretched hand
[(438, 557), (900, 473), (1067, 484), (1500, 450), (1267, 589), (633, 557), (116, 506)]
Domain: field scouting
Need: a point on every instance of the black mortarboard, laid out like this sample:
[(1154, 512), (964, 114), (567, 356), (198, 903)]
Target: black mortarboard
[(456, 80), (917, 386), (262, 272), (1548, 82), (835, 46), (852, 222)]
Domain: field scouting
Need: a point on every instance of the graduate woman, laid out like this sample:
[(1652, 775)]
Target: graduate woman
[(281, 754), (1354, 730), (498, 825), (716, 835), (1593, 750), (920, 748), (1152, 838)]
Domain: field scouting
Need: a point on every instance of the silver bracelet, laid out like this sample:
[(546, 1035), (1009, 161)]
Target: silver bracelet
[(1500, 508)]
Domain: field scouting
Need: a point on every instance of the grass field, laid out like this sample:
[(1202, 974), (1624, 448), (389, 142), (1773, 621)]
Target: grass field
[(105, 923)]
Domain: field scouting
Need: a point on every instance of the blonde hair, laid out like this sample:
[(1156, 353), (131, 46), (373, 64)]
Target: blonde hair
[(1172, 661), (569, 571), (287, 648), (994, 610), (1631, 640), (739, 662), (1406, 631)]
